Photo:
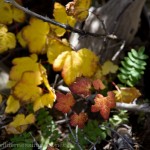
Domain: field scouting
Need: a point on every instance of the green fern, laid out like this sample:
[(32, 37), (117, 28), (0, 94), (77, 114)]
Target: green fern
[(23, 141), (133, 67), (48, 129)]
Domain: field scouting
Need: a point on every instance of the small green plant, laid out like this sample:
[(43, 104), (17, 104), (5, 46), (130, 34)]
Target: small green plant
[(133, 67), (49, 133), (119, 118), (22, 142)]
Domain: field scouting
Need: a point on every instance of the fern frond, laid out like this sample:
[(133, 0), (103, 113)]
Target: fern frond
[(133, 67)]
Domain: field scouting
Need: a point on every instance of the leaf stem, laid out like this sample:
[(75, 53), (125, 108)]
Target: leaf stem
[(73, 135), (65, 26)]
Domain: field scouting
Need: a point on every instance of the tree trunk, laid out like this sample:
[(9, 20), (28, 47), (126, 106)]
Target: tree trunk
[(117, 17)]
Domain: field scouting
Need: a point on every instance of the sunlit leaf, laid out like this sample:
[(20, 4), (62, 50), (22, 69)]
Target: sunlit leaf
[(21, 40), (70, 64), (35, 35), (55, 48), (7, 39), (75, 64), (89, 62), (20, 124), (8, 13), (27, 89), (12, 105), (61, 16), (78, 9), (78, 120), (64, 102), (127, 95), (104, 104), (45, 100), (81, 86), (24, 64)]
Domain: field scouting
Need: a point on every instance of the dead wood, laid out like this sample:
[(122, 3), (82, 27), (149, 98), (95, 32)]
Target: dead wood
[(118, 17)]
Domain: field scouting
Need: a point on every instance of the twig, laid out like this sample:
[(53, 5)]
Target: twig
[(133, 107), (119, 136), (74, 137), (65, 26), (93, 144), (119, 51)]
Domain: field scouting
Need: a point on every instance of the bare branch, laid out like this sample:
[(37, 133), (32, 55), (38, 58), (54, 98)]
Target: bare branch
[(134, 107), (65, 26)]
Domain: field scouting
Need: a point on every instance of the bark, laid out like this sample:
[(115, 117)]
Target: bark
[(118, 17)]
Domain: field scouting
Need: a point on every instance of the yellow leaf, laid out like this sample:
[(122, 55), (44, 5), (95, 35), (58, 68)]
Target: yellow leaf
[(24, 64), (61, 16), (127, 95), (59, 61), (45, 100), (1, 98), (18, 15), (75, 64), (78, 9), (70, 63), (7, 39), (8, 13), (35, 35), (21, 40), (20, 124), (27, 89), (109, 67), (55, 48), (89, 62), (12, 105)]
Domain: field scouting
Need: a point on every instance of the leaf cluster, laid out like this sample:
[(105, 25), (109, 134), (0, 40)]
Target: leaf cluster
[(133, 67)]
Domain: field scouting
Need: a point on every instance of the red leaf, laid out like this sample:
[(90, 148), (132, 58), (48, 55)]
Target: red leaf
[(98, 85), (81, 87), (79, 120), (104, 104), (64, 102)]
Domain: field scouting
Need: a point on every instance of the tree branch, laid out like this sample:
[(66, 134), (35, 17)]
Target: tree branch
[(134, 107), (65, 26)]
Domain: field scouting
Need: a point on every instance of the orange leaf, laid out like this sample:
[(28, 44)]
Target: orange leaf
[(98, 85), (78, 120), (64, 102), (81, 87), (104, 104)]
